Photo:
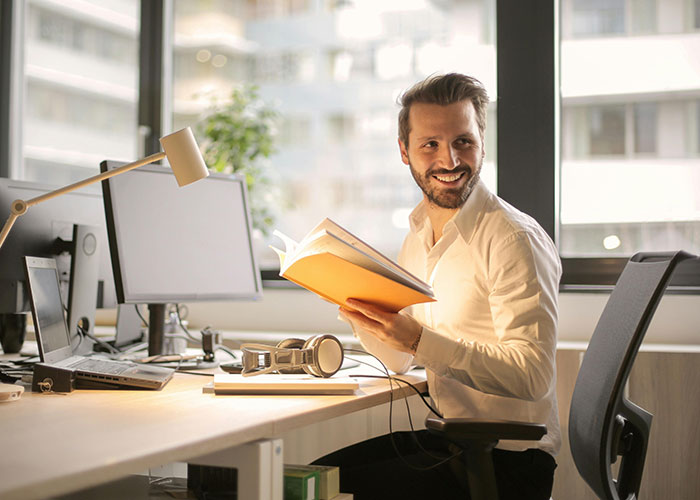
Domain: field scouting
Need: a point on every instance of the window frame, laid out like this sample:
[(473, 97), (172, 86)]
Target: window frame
[(529, 158), (528, 86)]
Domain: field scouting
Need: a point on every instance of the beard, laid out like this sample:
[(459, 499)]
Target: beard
[(450, 198)]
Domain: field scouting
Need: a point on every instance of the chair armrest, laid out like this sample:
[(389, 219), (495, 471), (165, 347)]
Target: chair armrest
[(485, 430)]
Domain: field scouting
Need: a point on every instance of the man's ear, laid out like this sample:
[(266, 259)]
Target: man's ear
[(404, 152)]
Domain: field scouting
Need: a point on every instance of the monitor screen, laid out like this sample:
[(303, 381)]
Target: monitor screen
[(38, 232), (177, 244), (50, 323)]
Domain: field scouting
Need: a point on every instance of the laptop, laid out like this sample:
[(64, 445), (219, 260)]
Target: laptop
[(53, 338)]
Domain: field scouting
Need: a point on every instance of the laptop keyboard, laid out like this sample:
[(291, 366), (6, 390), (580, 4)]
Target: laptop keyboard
[(100, 366)]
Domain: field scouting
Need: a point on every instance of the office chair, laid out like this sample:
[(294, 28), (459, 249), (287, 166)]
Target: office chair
[(603, 423)]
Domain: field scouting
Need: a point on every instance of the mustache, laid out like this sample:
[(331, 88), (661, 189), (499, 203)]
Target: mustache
[(444, 171)]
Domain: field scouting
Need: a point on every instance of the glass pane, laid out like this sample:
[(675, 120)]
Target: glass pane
[(597, 17), (696, 124), (645, 120), (332, 71), (607, 130), (81, 81), (630, 169), (643, 13)]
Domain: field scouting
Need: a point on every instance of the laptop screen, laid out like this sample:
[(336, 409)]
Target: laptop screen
[(49, 321)]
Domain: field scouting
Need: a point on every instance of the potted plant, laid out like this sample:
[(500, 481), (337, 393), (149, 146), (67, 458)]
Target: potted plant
[(237, 136)]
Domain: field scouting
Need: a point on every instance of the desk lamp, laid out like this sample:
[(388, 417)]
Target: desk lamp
[(179, 147)]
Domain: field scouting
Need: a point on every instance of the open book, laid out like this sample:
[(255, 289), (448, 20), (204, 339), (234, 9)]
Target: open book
[(337, 266)]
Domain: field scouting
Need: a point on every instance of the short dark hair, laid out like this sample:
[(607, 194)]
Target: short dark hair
[(444, 90)]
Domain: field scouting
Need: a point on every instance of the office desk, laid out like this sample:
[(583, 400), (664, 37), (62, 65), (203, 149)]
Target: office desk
[(52, 444)]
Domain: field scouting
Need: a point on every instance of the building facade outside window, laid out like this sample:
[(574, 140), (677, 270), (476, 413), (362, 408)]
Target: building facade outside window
[(334, 71), (630, 79), (630, 104), (80, 88)]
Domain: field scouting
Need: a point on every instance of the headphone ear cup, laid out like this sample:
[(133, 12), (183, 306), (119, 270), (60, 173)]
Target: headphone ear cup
[(291, 344), (328, 355)]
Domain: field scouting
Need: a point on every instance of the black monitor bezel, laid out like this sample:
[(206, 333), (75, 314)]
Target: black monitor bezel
[(122, 294)]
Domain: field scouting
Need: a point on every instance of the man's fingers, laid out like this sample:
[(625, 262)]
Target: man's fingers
[(359, 319), (368, 310)]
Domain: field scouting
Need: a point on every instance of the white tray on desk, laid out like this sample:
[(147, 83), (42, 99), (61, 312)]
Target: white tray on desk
[(227, 383)]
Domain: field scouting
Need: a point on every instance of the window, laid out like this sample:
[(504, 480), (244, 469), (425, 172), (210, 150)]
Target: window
[(645, 127), (598, 17), (628, 174), (606, 130), (630, 129), (697, 128), (334, 70), (604, 18), (80, 72)]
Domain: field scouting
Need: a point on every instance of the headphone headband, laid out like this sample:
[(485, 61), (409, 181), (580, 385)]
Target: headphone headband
[(320, 355)]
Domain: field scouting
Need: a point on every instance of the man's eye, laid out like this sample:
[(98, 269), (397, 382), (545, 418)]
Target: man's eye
[(430, 144)]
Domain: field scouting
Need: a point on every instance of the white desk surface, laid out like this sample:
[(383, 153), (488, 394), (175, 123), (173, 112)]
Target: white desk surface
[(52, 443)]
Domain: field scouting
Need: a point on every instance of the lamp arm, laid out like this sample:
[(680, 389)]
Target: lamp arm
[(97, 178), (19, 207), (6, 228)]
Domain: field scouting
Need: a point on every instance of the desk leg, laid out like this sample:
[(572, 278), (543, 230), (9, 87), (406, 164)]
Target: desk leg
[(260, 468)]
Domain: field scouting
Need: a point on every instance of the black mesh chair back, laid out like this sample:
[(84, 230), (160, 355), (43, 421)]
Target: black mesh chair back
[(603, 423)]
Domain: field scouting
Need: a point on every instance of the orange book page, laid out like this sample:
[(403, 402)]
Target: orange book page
[(337, 280)]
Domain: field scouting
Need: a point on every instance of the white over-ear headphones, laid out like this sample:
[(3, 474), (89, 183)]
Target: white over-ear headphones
[(320, 355)]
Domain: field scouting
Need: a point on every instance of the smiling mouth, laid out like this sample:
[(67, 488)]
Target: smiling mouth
[(452, 177), (449, 177)]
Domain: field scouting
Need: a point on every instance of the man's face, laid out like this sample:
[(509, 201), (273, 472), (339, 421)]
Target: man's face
[(445, 151)]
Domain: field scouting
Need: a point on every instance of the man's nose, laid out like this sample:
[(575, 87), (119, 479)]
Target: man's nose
[(450, 158)]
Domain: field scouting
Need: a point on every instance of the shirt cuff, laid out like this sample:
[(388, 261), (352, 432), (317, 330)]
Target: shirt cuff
[(432, 350)]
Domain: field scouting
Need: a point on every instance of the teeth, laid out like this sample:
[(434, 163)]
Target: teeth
[(449, 178)]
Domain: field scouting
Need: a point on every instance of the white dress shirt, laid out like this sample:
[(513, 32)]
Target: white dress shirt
[(488, 342)]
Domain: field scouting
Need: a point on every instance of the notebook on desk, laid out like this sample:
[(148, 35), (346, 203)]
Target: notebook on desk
[(53, 338), (272, 383)]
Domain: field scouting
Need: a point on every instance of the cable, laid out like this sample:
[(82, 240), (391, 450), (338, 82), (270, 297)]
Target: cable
[(176, 336), (184, 328), (415, 389), (388, 376), (441, 460), (110, 348), (138, 312), (227, 351)]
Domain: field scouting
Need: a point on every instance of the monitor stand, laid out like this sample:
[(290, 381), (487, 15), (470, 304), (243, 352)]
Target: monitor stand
[(156, 328), (156, 337), (82, 295)]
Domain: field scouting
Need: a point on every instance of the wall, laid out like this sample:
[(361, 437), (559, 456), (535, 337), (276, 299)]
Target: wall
[(676, 320)]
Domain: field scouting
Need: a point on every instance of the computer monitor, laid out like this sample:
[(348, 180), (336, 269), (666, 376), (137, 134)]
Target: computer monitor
[(47, 230), (172, 245)]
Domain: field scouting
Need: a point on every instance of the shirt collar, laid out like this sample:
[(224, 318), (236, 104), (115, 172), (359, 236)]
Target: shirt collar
[(465, 220), (468, 217)]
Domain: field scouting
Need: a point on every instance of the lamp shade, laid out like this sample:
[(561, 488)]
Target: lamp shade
[(184, 156)]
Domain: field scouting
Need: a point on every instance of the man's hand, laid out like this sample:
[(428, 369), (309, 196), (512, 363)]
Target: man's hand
[(397, 330)]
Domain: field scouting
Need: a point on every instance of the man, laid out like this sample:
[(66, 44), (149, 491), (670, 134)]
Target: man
[(488, 342)]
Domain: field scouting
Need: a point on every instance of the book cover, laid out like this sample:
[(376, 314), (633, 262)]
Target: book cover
[(329, 478), (301, 484), (337, 265)]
